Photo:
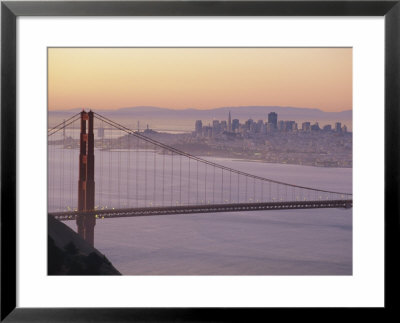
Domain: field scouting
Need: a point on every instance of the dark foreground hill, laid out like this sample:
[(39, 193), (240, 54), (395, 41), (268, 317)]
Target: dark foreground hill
[(69, 254)]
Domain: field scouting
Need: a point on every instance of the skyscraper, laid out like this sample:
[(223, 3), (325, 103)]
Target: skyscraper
[(315, 127), (235, 125), (273, 119), (290, 126), (280, 125), (223, 126), (199, 127), (216, 128), (306, 126), (229, 122)]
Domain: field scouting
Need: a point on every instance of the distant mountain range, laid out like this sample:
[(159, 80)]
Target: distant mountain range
[(242, 113)]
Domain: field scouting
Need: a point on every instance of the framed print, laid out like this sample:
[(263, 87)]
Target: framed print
[(198, 155)]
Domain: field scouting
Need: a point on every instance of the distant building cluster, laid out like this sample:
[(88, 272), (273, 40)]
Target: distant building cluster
[(261, 127)]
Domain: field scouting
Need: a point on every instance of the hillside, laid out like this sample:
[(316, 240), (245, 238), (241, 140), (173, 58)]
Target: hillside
[(69, 254)]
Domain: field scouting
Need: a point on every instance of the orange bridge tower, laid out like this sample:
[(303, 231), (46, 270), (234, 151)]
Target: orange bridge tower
[(86, 223)]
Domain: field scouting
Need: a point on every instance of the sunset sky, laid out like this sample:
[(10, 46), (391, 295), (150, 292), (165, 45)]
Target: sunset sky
[(201, 78)]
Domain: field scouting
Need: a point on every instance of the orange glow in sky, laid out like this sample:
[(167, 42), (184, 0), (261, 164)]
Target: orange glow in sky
[(201, 78)]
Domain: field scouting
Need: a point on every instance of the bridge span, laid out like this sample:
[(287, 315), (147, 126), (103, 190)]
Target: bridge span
[(190, 209)]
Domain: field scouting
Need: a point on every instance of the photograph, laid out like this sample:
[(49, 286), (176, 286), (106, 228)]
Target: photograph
[(200, 161)]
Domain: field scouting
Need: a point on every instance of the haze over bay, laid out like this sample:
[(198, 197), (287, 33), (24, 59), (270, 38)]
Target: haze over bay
[(172, 119)]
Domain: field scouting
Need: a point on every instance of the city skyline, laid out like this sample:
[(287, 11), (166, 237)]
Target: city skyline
[(201, 78), (270, 125)]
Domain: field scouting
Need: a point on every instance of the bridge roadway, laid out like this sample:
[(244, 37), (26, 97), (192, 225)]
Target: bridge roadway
[(210, 208)]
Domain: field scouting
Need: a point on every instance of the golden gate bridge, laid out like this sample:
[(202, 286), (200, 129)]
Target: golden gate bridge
[(123, 173)]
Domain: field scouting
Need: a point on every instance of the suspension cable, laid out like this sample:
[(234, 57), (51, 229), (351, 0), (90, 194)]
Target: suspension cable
[(64, 124)]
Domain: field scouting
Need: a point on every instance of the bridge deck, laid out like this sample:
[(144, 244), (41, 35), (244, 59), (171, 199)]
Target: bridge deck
[(190, 209)]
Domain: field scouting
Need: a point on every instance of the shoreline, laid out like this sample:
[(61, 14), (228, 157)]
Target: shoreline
[(235, 159), (294, 164)]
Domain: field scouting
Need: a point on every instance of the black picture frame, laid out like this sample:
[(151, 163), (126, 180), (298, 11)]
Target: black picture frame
[(11, 10)]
